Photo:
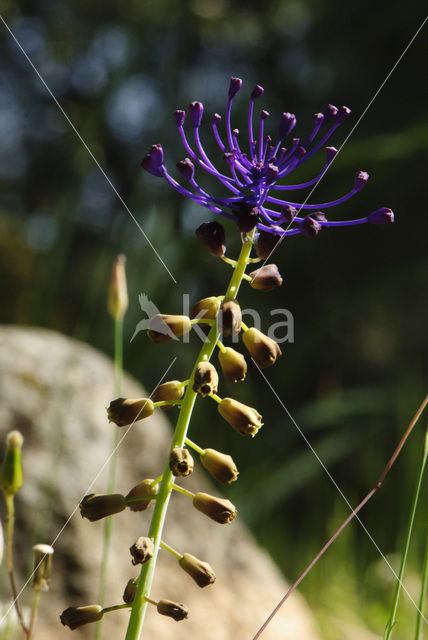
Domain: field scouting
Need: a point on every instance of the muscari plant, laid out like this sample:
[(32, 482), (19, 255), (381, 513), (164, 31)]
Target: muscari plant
[(254, 181)]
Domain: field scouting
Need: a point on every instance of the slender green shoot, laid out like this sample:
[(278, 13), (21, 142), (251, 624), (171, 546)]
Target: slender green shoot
[(423, 595)]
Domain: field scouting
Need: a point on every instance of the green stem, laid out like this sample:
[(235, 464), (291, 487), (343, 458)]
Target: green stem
[(423, 595), (393, 617), (195, 447), (10, 506), (36, 597), (139, 606), (116, 607), (185, 492), (171, 550)]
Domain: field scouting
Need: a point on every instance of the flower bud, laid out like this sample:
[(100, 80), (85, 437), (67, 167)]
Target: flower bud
[(201, 572), (230, 317), (11, 476), (234, 87), (74, 617), (172, 609), (310, 227), (130, 590), (220, 466), (212, 236), (96, 506), (205, 382), (124, 411), (164, 327), (266, 278), (232, 364), (142, 550), (144, 489), (153, 161), (246, 218), (218, 509), (180, 462), (245, 420), (263, 349), (171, 390), (206, 308), (117, 301), (42, 566), (266, 242), (381, 216), (186, 168), (196, 111)]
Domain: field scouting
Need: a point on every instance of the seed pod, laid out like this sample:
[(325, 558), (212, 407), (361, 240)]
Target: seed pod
[(201, 572), (212, 236), (171, 390), (145, 489), (42, 566), (96, 506), (267, 242), (117, 301), (180, 462), (230, 317), (11, 476), (218, 509), (263, 349), (233, 364), (75, 617), (220, 466), (124, 411), (206, 379), (206, 308), (174, 610), (266, 278), (164, 327), (130, 590), (245, 420), (142, 550)]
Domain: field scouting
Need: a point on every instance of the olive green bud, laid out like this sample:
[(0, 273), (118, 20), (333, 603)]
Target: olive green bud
[(201, 572), (263, 349), (267, 242), (206, 308), (232, 364), (219, 465), (42, 566), (180, 462), (205, 382), (230, 317), (75, 617), (124, 411), (218, 509), (117, 301), (212, 236), (11, 476), (145, 489), (266, 278), (96, 506), (172, 609), (171, 390), (142, 550), (245, 420), (130, 590), (164, 327)]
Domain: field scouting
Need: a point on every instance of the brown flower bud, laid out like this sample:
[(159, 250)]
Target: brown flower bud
[(266, 242), (142, 550), (11, 475), (96, 506), (164, 327), (201, 572), (42, 566), (74, 617), (205, 382), (230, 317), (266, 278), (212, 236), (218, 509), (172, 609), (124, 411), (117, 301), (219, 465), (145, 489), (245, 420), (263, 349), (180, 462), (168, 391), (130, 590), (232, 364), (206, 308)]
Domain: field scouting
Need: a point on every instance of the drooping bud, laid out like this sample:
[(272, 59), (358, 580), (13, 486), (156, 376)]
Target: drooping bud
[(232, 364), (235, 85), (342, 114), (310, 227), (130, 590), (153, 161), (230, 317), (171, 390), (42, 566), (201, 572), (11, 475), (206, 308), (360, 179), (164, 327), (266, 242), (117, 301), (263, 349), (145, 491), (186, 169), (287, 124), (246, 218), (196, 111), (245, 420), (288, 213), (124, 411), (220, 465), (206, 379), (142, 550), (75, 617), (212, 236), (174, 610), (266, 278), (218, 509), (181, 462), (96, 506), (381, 216)]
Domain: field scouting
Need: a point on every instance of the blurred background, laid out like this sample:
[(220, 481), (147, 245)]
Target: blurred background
[(355, 373)]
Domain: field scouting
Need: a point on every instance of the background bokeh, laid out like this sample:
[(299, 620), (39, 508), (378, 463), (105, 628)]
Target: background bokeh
[(355, 372)]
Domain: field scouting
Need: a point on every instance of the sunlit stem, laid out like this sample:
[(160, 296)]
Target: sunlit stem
[(185, 492), (195, 447), (34, 607), (10, 507), (170, 549), (423, 595)]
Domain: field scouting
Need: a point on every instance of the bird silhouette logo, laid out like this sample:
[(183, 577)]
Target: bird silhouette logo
[(150, 309)]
